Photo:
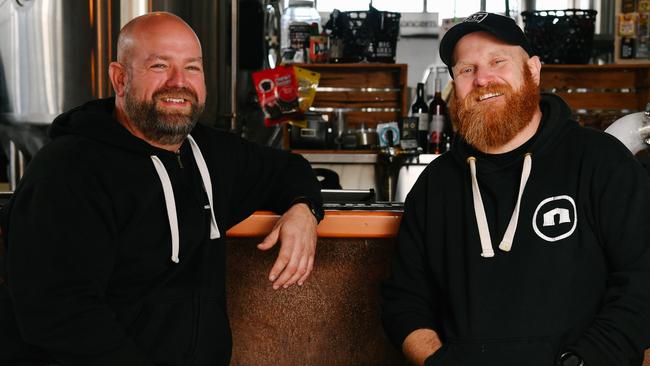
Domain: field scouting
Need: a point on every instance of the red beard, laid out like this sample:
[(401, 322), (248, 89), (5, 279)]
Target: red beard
[(490, 125)]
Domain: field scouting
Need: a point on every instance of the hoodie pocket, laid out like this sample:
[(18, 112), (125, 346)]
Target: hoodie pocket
[(502, 352), (166, 327)]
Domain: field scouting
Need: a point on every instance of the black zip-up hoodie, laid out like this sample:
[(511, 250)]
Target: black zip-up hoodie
[(577, 277), (89, 250)]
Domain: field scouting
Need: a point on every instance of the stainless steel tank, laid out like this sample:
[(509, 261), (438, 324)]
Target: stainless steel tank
[(211, 20), (54, 55)]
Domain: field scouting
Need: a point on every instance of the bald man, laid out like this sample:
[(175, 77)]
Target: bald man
[(115, 236)]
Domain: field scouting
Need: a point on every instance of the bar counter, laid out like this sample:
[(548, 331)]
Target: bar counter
[(334, 318), (336, 224)]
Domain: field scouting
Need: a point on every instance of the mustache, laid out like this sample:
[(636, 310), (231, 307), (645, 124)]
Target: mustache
[(175, 92), (473, 96)]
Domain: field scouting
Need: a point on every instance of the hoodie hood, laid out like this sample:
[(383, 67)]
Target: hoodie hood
[(96, 120)]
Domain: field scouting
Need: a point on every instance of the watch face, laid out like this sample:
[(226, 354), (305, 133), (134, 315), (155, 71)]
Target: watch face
[(570, 359)]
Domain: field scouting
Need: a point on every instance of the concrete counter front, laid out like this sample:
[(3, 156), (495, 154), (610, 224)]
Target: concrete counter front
[(334, 318)]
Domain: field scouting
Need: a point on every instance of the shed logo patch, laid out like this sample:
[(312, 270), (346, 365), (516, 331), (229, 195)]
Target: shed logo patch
[(476, 17), (555, 218)]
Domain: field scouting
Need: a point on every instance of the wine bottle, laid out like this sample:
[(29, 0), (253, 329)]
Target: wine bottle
[(420, 110), (439, 128)]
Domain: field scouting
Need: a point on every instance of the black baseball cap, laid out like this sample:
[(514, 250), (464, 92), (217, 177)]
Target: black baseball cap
[(502, 27)]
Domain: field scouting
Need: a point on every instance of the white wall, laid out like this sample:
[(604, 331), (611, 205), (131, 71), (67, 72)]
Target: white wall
[(418, 54)]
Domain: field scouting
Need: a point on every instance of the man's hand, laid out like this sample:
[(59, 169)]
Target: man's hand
[(420, 344), (296, 230)]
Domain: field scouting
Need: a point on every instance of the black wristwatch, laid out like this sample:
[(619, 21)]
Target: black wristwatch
[(570, 359), (316, 210)]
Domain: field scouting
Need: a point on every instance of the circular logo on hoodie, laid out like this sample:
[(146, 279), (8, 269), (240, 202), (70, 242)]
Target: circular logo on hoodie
[(555, 218)]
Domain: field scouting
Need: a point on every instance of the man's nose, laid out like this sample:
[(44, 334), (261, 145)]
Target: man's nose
[(483, 77), (176, 77)]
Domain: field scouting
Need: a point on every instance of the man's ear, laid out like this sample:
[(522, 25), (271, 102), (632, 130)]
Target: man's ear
[(535, 67), (117, 74)]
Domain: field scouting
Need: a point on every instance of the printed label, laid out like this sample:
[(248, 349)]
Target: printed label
[(423, 122)]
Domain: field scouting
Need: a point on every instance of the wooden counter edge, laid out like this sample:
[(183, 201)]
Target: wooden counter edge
[(336, 224)]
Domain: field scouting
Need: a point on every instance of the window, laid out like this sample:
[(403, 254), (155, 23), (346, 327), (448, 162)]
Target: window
[(448, 8), (552, 4), (453, 9), (445, 9), (404, 6)]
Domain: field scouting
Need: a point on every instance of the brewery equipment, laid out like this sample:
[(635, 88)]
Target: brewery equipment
[(54, 55), (633, 130)]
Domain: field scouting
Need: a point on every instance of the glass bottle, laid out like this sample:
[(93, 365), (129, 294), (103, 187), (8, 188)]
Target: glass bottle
[(296, 26), (439, 125), (420, 110)]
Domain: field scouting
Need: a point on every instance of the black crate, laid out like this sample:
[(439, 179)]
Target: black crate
[(381, 29), (561, 36)]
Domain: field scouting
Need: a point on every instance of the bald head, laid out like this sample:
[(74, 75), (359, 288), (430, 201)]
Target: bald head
[(141, 28), (158, 79)]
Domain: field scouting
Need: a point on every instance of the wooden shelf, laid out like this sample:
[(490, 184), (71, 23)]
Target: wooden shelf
[(599, 94), (368, 92)]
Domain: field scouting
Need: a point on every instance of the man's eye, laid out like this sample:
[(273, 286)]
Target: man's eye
[(158, 66), (193, 68), (465, 70)]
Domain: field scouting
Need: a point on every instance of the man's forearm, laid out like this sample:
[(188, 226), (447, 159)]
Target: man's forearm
[(420, 344)]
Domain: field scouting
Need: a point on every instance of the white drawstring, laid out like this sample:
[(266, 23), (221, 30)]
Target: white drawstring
[(506, 242), (207, 185), (170, 202), (479, 210)]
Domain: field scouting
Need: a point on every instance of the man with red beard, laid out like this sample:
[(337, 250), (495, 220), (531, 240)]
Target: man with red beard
[(567, 208), (115, 236)]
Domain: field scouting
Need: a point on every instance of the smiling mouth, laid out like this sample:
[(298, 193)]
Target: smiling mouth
[(174, 100), (489, 96)]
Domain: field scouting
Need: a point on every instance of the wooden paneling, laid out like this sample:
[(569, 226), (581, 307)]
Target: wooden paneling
[(601, 100), (587, 78), (358, 99), (369, 93), (605, 92)]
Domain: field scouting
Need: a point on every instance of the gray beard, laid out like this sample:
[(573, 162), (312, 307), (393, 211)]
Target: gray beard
[(157, 126)]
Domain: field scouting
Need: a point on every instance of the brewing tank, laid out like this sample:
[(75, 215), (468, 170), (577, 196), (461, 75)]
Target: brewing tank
[(54, 55)]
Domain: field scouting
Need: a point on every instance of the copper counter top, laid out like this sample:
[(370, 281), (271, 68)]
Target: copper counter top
[(336, 224)]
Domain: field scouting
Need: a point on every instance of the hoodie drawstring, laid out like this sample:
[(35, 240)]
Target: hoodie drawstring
[(207, 185), (170, 202), (479, 211)]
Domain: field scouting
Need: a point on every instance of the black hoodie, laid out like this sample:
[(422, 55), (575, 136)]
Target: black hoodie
[(89, 246), (577, 276)]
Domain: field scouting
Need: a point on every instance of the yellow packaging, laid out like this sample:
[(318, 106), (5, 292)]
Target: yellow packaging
[(627, 24), (307, 83)]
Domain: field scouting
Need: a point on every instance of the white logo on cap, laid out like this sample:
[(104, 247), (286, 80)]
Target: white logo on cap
[(477, 17)]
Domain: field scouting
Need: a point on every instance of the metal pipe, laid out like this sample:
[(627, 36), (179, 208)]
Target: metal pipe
[(21, 165), (12, 166)]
